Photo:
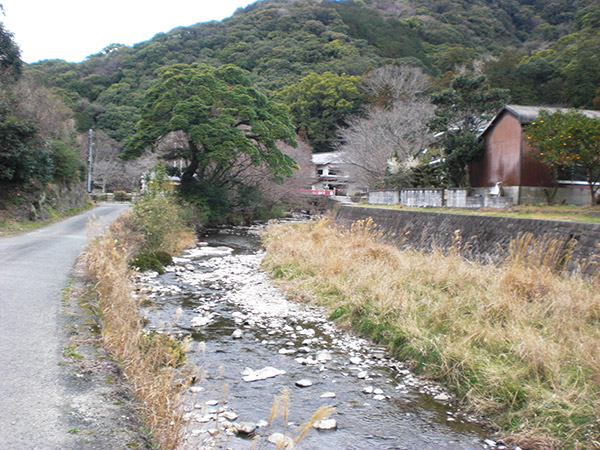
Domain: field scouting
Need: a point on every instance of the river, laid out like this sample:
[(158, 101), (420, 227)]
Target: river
[(219, 296)]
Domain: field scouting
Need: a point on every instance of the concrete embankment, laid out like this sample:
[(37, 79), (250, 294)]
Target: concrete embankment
[(482, 237)]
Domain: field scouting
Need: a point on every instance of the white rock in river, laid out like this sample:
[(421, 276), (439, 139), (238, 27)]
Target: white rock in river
[(262, 374), (244, 427), (323, 356), (378, 391), (237, 334), (229, 415), (287, 351), (379, 397), (442, 397), (201, 321), (362, 374), (304, 383), (368, 390), (326, 424), (281, 441), (355, 360), (328, 395)]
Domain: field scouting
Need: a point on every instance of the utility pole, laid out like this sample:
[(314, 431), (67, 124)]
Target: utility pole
[(90, 160)]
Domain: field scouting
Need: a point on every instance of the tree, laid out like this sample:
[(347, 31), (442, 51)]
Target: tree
[(566, 139), (393, 132), (10, 56), (319, 105), (223, 119), (461, 112)]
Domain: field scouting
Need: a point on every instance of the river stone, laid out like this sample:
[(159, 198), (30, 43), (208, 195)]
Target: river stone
[(442, 397), (328, 395), (379, 397), (201, 321), (281, 441), (244, 427), (323, 356), (326, 424), (204, 419), (250, 375), (362, 374), (304, 383), (229, 415), (355, 360), (287, 351), (378, 391), (237, 334), (368, 390)]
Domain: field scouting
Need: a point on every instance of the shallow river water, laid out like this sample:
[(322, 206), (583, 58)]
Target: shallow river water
[(225, 301)]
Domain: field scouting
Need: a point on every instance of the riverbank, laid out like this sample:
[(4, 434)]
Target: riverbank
[(516, 342)]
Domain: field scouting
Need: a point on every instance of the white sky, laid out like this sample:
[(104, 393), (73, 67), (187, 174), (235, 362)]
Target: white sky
[(74, 29)]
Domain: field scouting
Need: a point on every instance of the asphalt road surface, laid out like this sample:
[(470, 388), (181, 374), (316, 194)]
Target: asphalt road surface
[(34, 268)]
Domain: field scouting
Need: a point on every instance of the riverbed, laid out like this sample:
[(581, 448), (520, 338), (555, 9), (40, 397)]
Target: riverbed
[(254, 344)]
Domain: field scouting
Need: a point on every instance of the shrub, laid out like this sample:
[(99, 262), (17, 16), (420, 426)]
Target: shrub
[(156, 261), (121, 196), (159, 216)]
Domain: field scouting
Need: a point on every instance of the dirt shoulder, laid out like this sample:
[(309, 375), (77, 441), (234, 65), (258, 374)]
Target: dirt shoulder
[(102, 410)]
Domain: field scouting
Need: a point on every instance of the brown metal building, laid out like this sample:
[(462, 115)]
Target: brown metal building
[(507, 156)]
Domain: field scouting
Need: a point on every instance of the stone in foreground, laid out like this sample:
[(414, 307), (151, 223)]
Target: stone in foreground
[(281, 441), (326, 424), (262, 374)]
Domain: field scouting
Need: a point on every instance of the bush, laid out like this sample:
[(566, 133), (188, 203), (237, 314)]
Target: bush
[(67, 164), (121, 196), (159, 216), (156, 261)]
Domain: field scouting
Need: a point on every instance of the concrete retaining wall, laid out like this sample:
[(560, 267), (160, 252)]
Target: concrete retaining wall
[(488, 238), (384, 197)]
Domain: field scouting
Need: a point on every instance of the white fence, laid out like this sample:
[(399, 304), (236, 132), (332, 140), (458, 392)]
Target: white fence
[(437, 198)]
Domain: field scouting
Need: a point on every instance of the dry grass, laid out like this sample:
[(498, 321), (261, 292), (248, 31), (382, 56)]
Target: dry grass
[(280, 409), (519, 342), (153, 364)]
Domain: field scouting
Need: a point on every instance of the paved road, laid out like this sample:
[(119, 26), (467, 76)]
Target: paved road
[(34, 268)]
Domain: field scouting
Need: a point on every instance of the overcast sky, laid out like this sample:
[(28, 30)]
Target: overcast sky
[(74, 29)]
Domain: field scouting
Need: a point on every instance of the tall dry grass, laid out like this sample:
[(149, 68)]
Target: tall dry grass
[(154, 364), (518, 342)]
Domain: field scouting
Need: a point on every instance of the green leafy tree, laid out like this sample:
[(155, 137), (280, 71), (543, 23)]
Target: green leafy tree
[(566, 139), (10, 56), (221, 123), (23, 158), (461, 112), (319, 104)]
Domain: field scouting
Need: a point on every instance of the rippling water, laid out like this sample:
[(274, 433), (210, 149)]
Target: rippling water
[(220, 289)]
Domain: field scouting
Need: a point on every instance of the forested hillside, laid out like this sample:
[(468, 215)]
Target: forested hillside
[(315, 57), (545, 52)]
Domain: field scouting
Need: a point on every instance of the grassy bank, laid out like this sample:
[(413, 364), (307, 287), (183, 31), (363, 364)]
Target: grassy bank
[(154, 364), (518, 343)]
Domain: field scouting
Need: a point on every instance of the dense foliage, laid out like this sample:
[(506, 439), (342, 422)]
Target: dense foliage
[(461, 112), (36, 142), (566, 139), (320, 104), (543, 51), (217, 124)]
